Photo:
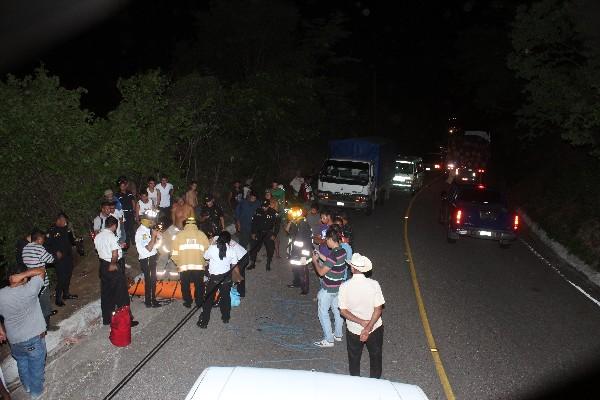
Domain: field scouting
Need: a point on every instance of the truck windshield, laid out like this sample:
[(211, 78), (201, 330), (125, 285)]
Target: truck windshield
[(404, 168), (351, 172)]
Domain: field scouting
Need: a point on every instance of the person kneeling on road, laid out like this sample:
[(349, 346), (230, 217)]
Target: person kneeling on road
[(222, 259), (361, 302), (145, 242)]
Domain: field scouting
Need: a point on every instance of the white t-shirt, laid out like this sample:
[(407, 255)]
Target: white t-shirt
[(143, 236), (360, 296), (105, 243), (165, 195), (217, 266), (143, 207), (296, 183), (153, 196)]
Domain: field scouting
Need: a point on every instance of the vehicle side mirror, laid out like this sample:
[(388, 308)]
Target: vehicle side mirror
[(443, 195)]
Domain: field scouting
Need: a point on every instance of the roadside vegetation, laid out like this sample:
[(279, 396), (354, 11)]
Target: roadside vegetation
[(214, 117)]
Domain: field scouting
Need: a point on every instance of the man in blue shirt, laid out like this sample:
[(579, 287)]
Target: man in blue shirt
[(244, 212)]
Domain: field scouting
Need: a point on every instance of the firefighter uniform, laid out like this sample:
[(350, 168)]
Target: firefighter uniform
[(300, 232), (187, 252), (263, 225)]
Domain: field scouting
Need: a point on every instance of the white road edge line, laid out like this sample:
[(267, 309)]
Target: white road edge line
[(548, 263)]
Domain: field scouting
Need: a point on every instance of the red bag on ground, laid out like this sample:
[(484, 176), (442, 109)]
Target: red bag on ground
[(120, 327)]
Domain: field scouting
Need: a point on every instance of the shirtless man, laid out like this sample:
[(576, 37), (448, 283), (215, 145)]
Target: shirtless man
[(180, 212)]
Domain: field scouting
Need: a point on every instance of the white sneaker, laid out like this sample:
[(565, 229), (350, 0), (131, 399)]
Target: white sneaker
[(337, 338), (323, 343)]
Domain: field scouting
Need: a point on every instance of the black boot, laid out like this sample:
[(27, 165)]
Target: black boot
[(268, 265)]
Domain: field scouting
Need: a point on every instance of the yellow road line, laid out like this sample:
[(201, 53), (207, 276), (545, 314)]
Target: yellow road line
[(437, 360)]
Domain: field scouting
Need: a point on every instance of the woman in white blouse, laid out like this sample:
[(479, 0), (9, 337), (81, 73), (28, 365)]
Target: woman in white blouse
[(221, 258)]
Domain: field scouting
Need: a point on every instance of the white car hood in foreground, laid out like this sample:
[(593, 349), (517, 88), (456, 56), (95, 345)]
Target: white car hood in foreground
[(234, 383)]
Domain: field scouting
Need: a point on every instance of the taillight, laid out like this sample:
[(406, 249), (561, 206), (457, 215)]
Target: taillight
[(516, 223), (481, 170), (437, 166), (480, 187), (458, 217)]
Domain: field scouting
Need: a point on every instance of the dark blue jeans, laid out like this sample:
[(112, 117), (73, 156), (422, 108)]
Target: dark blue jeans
[(31, 361)]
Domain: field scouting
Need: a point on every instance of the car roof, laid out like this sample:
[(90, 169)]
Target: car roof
[(233, 383)]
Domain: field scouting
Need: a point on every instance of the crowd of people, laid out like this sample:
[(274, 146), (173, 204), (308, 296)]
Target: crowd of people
[(196, 240)]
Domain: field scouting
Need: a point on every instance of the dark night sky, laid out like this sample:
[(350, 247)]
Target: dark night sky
[(406, 50)]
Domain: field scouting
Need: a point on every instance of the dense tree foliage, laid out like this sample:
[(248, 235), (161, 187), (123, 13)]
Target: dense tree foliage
[(557, 54), (225, 112)]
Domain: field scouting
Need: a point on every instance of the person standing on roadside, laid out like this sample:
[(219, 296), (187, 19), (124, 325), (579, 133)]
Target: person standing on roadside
[(145, 242), (187, 252), (24, 326), (113, 283), (244, 212), (35, 255), (296, 183), (127, 200), (236, 195), (278, 193), (166, 191), (263, 224), (306, 191), (331, 269), (319, 236), (212, 220), (191, 196), (222, 259), (61, 241), (180, 212), (314, 219), (361, 302), (153, 193), (144, 204)]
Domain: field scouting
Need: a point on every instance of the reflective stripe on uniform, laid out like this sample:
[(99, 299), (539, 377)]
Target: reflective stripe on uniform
[(191, 246)]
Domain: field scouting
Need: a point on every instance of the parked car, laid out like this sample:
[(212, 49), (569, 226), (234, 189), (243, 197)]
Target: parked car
[(479, 212), (234, 383)]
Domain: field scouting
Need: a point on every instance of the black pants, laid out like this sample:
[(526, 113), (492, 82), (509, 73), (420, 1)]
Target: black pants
[(64, 271), (224, 288), (256, 244), (148, 266), (113, 289), (244, 237), (374, 346), (197, 278), (301, 277), (129, 227), (242, 264)]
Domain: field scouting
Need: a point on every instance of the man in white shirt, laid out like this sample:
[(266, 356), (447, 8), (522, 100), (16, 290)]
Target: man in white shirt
[(113, 283), (145, 242), (361, 302), (166, 191), (144, 204), (296, 183)]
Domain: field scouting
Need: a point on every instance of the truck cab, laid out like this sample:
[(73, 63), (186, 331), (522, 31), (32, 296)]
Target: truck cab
[(409, 174), (346, 183)]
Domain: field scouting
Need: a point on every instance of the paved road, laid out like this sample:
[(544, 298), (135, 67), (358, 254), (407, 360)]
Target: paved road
[(504, 322)]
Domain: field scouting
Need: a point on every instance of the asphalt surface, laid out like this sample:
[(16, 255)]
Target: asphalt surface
[(505, 323)]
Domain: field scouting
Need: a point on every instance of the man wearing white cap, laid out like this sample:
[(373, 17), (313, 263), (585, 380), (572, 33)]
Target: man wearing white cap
[(361, 302)]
